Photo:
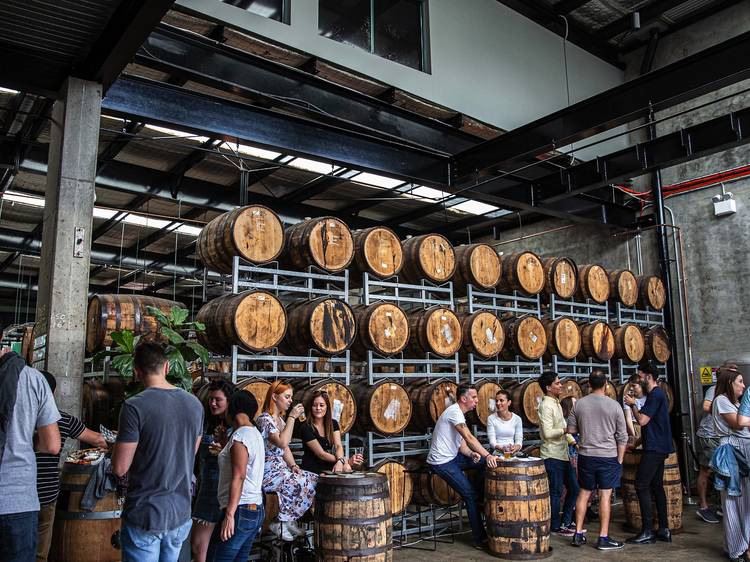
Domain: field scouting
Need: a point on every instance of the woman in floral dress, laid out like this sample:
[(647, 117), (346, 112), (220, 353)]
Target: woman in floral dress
[(294, 487)]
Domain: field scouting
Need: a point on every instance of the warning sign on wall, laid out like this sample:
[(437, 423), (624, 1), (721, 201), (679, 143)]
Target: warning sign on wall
[(708, 375)]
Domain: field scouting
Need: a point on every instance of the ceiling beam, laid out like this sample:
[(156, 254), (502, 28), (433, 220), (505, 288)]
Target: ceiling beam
[(648, 13), (564, 7)]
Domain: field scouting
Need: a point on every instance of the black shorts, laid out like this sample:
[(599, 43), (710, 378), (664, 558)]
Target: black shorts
[(601, 473)]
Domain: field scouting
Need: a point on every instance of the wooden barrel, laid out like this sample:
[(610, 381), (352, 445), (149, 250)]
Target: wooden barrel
[(560, 277), (523, 272), (381, 327), (482, 334), (525, 336), (110, 313), (525, 399), (609, 389), (570, 387), (101, 402), (84, 536), (563, 338), (623, 287), (593, 283), (629, 344), (434, 330), (672, 488), (323, 242), (429, 399), (658, 344), (255, 233), (517, 508), (477, 265), (377, 251), (429, 488), (27, 342), (343, 403), (258, 388), (384, 407), (430, 257), (651, 292), (486, 391), (353, 518), (399, 483), (324, 324), (253, 320), (598, 341)]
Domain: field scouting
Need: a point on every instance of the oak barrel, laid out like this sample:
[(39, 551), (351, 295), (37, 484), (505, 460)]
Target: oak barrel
[(651, 292), (523, 272), (517, 508), (570, 387), (525, 399), (482, 334), (486, 391), (609, 389), (428, 488), (623, 287), (343, 403), (257, 387), (430, 256), (323, 242), (399, 483), (672, 488), (84, 536), (658, 345), (477, 265), (384, 407), (381, 327), (434, 330), (353, 518), (110, 313), (560, 277), (524, 336), (27, 342), (429, 399), (378, 252), (629, 344), (254, 233), (598, 341), (563, 338), (101, 402), (253, 320), (593, 283), (325, 324)]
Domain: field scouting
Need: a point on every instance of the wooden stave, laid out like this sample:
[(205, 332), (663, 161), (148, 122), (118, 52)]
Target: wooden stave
[(364, 395), (599, 293), (650, 339), (672, 488), (221, 317), (27, 343), (469, 344), (300, 334), (465, 273), (100, 402), (419, 337), (363, 341), (98, 317), (397, 473), (651, 292), (628, 353), (304, 390), (298, 253), (629, 296), (551, 328), (551, 265), (513, 346), (486, 391), (360, 263), (413, 270), (589, 348), (426, 406), (257, 387), (511, 281), (521, 403), (571, 388), (610, 390)]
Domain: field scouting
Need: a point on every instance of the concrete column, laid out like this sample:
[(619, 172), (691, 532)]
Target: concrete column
[(66, 239)]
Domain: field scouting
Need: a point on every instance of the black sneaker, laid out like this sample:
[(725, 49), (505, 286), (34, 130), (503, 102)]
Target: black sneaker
[(606, 543), (579, 539)]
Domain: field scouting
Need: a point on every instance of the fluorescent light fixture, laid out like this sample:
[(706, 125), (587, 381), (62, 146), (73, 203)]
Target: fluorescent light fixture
[(475, 207), (313, 166), (251, 151), (23, 199), (189, 230), (8, 91), (177, 133), (376, 180), (428, 193)]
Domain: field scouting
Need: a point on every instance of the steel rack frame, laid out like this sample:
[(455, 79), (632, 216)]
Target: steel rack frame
[(240, 358), (515, 302), (398, 446), (405, 295), (495, 369), (586, 311), (577, 369), (641, 316), (424, 367)]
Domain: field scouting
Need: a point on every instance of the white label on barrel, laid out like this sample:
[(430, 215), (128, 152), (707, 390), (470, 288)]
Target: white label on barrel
[(387, 333), (388, 314), (261, 298), (383, 265), (491, 404), (448, 333), (257, 212), (563, 278), (391, 412), (533, 337), (490, 336), (338, 407)]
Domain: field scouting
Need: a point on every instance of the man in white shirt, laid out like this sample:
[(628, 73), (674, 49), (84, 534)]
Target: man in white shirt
[(454, 449)]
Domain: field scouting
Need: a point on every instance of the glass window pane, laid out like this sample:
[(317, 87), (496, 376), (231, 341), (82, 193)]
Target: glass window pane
[(346, 21), (272, 9), (398, 31)]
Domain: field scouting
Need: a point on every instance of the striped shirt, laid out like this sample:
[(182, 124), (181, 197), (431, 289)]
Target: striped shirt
[(48, 466)]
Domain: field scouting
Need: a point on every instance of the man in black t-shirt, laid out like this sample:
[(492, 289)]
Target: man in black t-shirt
[(48, 472), (657, 445)]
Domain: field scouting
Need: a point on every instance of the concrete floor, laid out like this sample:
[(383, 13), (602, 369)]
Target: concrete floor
[(698, 542)]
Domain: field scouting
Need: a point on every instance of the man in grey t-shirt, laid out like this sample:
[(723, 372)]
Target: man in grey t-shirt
[(159, 433), (600, 422)]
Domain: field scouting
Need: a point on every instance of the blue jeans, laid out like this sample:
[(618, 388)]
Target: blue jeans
[(139, 545), (561, 474), (247, 523), (452, 473), (18, 532)]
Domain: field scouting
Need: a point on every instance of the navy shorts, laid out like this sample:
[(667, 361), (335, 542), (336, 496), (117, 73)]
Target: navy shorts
[(601, 473)]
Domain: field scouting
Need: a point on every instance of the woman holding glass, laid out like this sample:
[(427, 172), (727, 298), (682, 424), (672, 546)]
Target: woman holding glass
[(504, 428)]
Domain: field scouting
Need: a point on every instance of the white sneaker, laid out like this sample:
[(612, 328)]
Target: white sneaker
[(295, 528), (282, 531)]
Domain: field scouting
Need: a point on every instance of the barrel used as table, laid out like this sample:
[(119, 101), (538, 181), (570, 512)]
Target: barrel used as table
[(353, 518), (672, 489), (517, 508), (382, 327), (325, 324), (523, 272), (593, 283), (477, 265), (323, 242), (429, 399), (384, 407), (560, 277), (343, 404), (377, 252), (483, 334), (430, 257), (84, 536)]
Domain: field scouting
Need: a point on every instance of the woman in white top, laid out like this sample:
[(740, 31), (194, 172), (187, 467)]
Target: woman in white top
[(240, 492), (504, 428)]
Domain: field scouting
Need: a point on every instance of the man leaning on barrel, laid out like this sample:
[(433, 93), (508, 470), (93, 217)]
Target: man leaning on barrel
[(454, 449)]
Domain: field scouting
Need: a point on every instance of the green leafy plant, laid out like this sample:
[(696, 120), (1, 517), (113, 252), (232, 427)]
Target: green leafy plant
[(179, 349)]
